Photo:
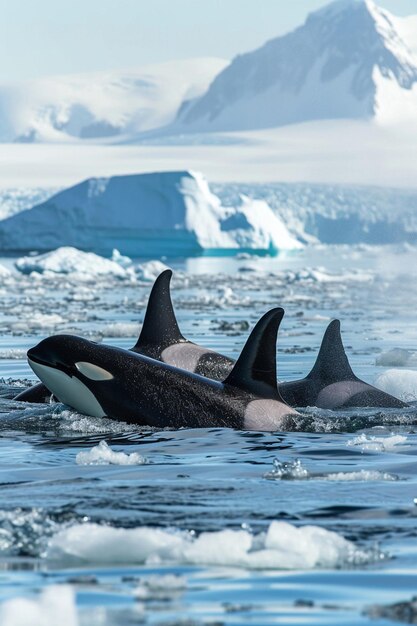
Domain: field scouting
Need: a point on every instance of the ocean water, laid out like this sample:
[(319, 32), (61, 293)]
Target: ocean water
[(213, 526)]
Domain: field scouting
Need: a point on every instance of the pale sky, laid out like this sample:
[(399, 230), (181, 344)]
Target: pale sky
[(43, 37)]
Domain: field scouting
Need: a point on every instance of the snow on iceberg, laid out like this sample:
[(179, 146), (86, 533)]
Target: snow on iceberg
[(68, 260), (283, 546), (165, 213)]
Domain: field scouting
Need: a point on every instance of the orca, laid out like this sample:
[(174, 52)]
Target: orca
[(161, 339), (37, 394), (105, 381), (331, 384)]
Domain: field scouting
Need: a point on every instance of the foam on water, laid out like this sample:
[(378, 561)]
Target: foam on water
[(283, 546), (295, 470), (292, 470), (104, 455), (68, 420), (369, 443), (362, 475)]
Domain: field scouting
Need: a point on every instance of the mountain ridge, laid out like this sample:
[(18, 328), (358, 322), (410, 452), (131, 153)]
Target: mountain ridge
[(330, 67)]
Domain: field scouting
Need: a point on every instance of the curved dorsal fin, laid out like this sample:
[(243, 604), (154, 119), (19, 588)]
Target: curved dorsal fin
[(160, 326), (255, 371), (332, 363)]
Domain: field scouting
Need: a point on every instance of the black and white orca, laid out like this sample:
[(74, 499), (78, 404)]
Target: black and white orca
[(161, 339), (331, 384), (100, 380)]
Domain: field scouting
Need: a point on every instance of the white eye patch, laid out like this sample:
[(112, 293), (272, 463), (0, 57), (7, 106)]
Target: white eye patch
[(93, 372)]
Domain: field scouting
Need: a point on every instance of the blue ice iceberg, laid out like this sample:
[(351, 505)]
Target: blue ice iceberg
[(164, 213)]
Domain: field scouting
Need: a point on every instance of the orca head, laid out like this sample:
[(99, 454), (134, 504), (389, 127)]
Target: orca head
[(73, 369)]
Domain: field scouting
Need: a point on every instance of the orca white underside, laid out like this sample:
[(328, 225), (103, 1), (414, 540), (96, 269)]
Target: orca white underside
[(68, 389), (267, 415), (183, 355), (337, 394)]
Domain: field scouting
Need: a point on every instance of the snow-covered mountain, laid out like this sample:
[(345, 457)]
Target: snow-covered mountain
[(101, 105), (350, 59)]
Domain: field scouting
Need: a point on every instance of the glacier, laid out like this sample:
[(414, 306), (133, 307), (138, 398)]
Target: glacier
[(335, 214), (143, 215)]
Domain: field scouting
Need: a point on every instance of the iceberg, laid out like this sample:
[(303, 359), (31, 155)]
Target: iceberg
[(148, 215)]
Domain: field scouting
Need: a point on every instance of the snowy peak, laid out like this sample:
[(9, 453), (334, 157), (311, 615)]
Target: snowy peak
[(330, 67)]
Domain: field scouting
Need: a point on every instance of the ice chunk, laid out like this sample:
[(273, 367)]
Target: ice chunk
[(124, 261), (4, 271), (150, 270), (399, 383), (104, 455), (396, 357), (68, 260), (283, 546), (53, 601), (121, 329)]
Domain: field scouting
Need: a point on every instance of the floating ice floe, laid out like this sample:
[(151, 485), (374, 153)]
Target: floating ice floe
[(104, 455), (397, 357), (162, 213), (68, 260), (121, 329), (399, 383), (369, 443), (150, 270), (282, 546), (37, 321), (321, 275), (161, 587), (54, 601), (13, 353), (4, 271), (120, 259)]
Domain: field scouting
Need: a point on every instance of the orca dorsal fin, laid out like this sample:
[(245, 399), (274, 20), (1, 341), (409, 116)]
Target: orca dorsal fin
[(160, 326), (332, 364), (255, 371)]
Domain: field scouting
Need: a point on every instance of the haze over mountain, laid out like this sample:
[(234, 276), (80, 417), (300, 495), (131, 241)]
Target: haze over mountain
[(103, 105), (349, 60)]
